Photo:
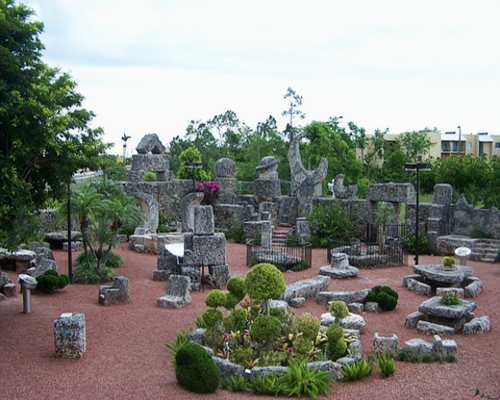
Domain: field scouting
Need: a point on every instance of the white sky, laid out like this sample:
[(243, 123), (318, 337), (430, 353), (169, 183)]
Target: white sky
[(153, 65)]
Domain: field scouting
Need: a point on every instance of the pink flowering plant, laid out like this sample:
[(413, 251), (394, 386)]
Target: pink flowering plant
[(210, 189)]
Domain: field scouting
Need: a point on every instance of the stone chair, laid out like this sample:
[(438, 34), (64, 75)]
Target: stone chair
[(115, 294), (178, 292)]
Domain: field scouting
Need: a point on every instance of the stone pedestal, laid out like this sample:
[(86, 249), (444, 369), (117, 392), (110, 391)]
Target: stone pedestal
[(69, 335)]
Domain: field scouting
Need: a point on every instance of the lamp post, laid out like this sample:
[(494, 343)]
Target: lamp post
[(419, 166), (70, 260)]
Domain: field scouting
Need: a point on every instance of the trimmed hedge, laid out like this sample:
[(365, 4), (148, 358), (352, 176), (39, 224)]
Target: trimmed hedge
[(265, 281), (195, 369), (386, 297)]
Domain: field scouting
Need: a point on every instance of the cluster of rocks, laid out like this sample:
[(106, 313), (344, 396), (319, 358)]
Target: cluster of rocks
[(70, 335), (7, 287), (435, 279), (434, 317), (117, 293), (297, 292), (339, 267), (34, 259)]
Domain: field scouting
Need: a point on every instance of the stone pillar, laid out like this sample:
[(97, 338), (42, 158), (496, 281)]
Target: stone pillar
[(267, 186), (266, 235), (303, 230), (69, 335), (225, 172)]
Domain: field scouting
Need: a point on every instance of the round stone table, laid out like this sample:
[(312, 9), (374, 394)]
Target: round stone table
[(437, 273)]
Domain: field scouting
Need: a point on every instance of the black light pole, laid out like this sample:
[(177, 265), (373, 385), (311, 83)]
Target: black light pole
[(70, 261), (417, 167)]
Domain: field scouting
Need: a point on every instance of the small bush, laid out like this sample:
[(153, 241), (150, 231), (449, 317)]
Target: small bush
[(300, 381), (302, 345), (265, 384), (450, 299), (180, 340), (51, 281), (236, 234), (243, 356), (215, 298), (231, 301), (214, 337), (150, 176), (448, 261), (339, 309), (386, 297), (236, 286), (386, 365), (410, 244), (113, 260), (195, 369), (265, 329), (88, 273), (237, 320), (329, 223), (264, 281), (211, 317), (336, 346), (267, 358), (235, 383), (357, 370), (308, 325), (300, 266)]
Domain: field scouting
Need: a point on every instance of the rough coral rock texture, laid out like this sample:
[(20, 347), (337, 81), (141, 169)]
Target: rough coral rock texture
[(70, 335)]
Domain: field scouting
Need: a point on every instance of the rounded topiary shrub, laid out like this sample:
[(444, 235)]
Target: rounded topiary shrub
[(50, 281), (265, 329), (215, 298), (336, 346), (236, 286), (211, 317), (308, 325), (231, 301), (237, 320), (386, 297), (339, 309), (265, 281), (195, 369)]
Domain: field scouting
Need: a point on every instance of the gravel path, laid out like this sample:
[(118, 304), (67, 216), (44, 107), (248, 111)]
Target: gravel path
[(126, 357)]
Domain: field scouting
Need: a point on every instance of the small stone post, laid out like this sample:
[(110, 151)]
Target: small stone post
[(69, 335)]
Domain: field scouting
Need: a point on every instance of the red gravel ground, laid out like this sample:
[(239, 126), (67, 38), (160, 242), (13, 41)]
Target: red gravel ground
[(126, 357)]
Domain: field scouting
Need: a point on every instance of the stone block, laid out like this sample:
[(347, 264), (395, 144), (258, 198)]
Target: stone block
[(418, 287), (371, 306), (477, 325), (430, 328), (209, 250), (297, 302), (9, 289), (228, 368), (407, 277), (204, 220), (417, 347), (447, 290), (306, 288), (356, 308), (385, 344), (197, 335), (357, 296), (473, 289), (115, 294), (70, 335), (178, 292), (225, 168), (413, 318)]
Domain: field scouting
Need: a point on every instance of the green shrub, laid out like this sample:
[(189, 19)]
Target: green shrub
[(300, 381), (231, 301), (243, 356), (329, 223), (386, 297), (237, 320), (410, 244), (215, 298), (357, 370), (214, 337), (86, 271), (265, 329), (339, 309), (448, 261), (113, 260), (302, 345), (167, 222), (195, 369), (336, 346), (150, 176), (180, 340), (50, 281), (236, 234), (450, 299), (300, 266), (308, 325), (264, 281), (267, 358), (265, 384), (386, 365), (426, 358), (210, 318), (236, 286), (292, 240), (235, 383)]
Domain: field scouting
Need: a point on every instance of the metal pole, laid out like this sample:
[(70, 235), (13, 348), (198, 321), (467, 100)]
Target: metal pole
[(26, 299), (417, 218), (70, 261)]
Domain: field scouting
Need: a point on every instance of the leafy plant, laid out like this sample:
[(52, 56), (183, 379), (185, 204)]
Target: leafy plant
[(235, 383), (301, 381), (236, 234), (386, 365), (448, 261), (150, 176), (236, 286), (180, 340), (167, 222), (265, 329), (339, 309), (386, 297), (327, 223), (237, 320), (450, 299), (86, 272), (113, 260), (336, 346), (51, 281), (243, 356), (265, 384), (195, 369), (410, 244), (215, 298), (308, 325), (300, 266), (357, 370), (264, 281), (210, 318)]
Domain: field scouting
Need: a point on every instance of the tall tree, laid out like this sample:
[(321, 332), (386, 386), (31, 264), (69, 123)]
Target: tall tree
[(293, 111), (44, 130)]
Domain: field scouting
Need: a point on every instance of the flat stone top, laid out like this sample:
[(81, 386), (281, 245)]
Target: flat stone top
[(438, 273), (433, 307)]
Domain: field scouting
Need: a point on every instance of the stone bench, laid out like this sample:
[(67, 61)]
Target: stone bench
[(178, 292), (115, 294)]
